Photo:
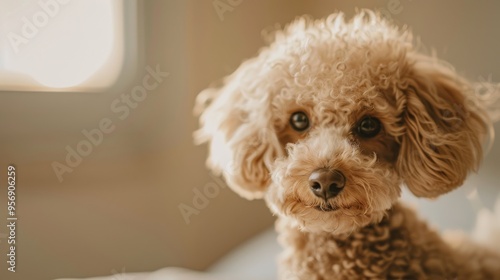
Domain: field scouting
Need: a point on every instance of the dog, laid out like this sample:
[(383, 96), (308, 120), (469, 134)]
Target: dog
[(328, 123)]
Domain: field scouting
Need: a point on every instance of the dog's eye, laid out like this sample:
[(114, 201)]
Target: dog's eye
[(299, 121), (368, 127)]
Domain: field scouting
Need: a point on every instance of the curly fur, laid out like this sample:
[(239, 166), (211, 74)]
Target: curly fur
[(337, 72)]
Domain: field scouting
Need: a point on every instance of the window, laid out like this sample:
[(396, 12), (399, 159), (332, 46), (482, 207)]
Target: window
[(61, 45)]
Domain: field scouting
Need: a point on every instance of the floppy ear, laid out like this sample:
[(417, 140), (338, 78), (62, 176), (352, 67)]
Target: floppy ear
[(236, 121), (444, 127)]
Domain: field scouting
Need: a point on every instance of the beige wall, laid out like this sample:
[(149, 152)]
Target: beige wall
[(119, 207)]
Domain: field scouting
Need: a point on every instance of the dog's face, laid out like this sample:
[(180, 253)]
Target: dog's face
[(332, 118), (338, 168)]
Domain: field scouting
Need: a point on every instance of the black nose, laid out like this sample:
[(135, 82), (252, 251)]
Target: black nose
[(326, 183)]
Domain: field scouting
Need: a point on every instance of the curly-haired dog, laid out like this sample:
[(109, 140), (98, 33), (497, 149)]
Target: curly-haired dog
[(327, 123)]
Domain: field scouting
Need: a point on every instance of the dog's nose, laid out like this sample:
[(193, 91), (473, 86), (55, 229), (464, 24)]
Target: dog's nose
[(326, 183)]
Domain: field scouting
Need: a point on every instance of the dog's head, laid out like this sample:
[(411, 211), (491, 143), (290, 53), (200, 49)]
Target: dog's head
[(333, 117)]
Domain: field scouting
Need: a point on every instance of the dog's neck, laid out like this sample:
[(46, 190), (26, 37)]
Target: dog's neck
[(391, 220), (385, 248)]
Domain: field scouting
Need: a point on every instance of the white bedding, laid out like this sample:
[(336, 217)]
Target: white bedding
[(253, 260)]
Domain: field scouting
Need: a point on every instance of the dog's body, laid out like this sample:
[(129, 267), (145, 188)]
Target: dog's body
[(327, 124)]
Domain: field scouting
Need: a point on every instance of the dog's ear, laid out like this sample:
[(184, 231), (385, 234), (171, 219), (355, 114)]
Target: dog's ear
[(236, 121), (444, 129)]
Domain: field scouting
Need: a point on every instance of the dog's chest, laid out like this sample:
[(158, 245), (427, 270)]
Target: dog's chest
[(381, 251), (375, 252)]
